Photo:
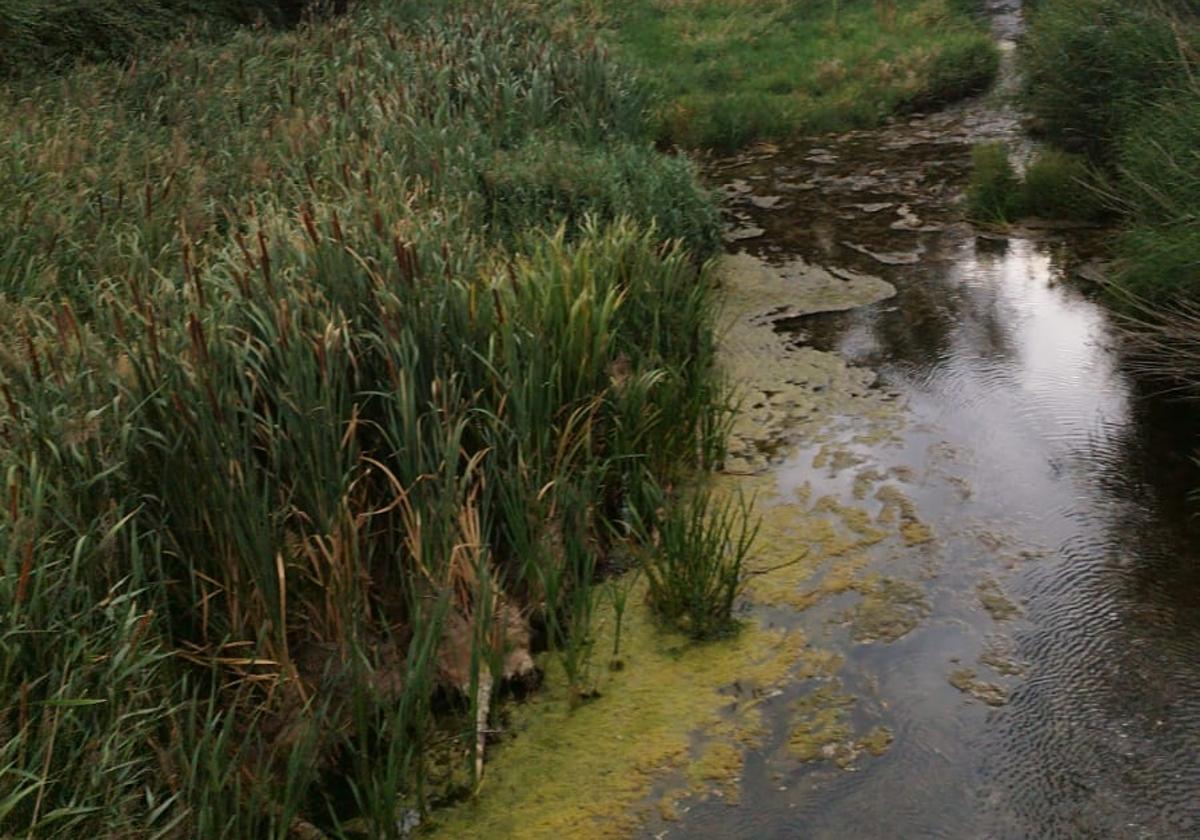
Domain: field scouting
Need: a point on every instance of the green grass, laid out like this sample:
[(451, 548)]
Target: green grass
[(1061, 185), (313, 375), (1091, 66), (695, 552), (728, 72)]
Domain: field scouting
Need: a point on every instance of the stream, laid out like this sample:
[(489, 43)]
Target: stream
[(1033, 669)]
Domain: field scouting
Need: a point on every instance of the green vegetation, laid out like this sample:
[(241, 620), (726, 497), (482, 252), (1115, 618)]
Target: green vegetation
[(694, 567), (1055, 185), (1092, 66), (993, 192), (728, 73), (36, 35), (321, 394), (1117, 82), (1061, 185)]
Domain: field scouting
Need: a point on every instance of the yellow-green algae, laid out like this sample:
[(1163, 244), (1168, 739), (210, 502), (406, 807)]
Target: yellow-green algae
[(998, 605), (586, 770), (582, 771), (888, 610), (898, 507), (821, 729), (966, 681), (999, 654), (789, 392)]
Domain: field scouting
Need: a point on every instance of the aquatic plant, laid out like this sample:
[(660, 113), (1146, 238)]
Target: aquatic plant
[(694, 561)]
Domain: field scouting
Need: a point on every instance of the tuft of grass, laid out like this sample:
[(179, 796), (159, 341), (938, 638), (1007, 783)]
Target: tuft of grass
[(1055, 185), (694, 563), (1116, 81), (992, 195), (1061, 185), (1091, 65)]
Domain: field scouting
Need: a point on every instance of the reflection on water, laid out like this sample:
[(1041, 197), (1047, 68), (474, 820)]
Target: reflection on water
[(1047, 473)]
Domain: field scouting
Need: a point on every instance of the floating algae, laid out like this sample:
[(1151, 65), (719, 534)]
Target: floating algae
[(889, 610), (585, 771), (821, 729), (993, 599), (966, 681), (788, 392), (898, 507), (877, 741), (999, 654)]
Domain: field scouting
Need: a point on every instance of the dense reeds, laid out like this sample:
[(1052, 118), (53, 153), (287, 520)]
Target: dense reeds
[(325, 393)]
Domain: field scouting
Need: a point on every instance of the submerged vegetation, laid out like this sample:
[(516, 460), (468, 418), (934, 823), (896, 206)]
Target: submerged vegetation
[(729, 73), (325, 399)]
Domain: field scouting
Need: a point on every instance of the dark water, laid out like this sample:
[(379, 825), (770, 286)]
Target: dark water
[(1046, 470)]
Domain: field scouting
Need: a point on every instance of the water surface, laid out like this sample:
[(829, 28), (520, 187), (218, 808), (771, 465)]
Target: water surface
[(1053, 688)]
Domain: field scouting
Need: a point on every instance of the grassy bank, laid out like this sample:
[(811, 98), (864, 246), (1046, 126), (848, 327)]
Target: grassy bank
[(728, 73), (327, 396), (1113, 85)]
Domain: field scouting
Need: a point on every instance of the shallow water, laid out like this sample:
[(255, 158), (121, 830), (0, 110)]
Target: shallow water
[(1048, 684)]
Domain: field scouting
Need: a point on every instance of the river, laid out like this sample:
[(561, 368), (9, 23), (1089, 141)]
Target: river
[(1040, 675)]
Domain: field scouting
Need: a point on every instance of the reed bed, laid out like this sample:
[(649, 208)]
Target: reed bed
[(337, 367)]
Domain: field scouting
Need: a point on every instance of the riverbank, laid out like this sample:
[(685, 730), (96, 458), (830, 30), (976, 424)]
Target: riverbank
[(726, 74)]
